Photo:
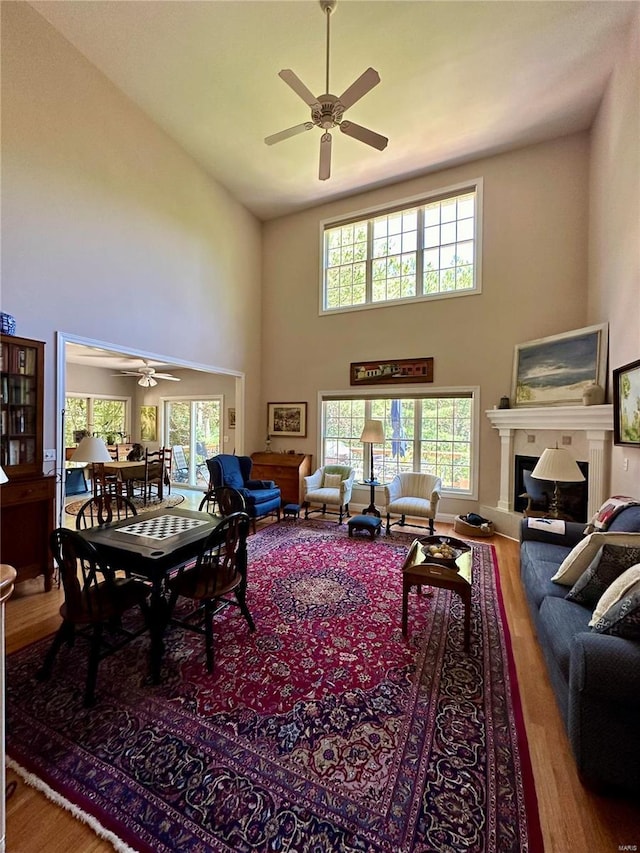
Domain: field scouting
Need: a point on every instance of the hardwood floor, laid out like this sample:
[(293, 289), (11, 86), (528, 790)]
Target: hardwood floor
[(573, 819)]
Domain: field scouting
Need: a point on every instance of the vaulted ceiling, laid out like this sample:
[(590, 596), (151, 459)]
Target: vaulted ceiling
[(459, 80)]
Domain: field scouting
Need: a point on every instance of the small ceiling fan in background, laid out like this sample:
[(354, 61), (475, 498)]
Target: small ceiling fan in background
[(327, 111), (148, 376)]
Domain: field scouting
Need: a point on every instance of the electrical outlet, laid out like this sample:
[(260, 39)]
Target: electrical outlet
[(49, 456), (225, 440), (625, 464)]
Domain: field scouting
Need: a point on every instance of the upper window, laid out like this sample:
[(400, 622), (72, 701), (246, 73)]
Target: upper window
[(421, 251)]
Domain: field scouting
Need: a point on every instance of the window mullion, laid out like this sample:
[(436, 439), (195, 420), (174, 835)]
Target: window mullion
[(369, 284), (420, 253), (417, 437)]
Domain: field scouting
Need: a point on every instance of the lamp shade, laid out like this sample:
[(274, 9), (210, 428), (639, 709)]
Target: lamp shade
[(373, 432), (91, 449), (558, 465), (3, 476)]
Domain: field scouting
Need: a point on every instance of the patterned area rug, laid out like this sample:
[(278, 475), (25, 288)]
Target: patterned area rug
[(73, 506), (325, 730)]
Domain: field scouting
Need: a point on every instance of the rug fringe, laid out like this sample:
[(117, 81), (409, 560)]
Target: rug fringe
[(92, 822)]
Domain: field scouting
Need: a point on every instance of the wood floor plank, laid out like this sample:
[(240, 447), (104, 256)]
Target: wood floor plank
[(573, 819)]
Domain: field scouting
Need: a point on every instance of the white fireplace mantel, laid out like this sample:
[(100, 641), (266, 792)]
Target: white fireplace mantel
[(553, 417), (595, 421)]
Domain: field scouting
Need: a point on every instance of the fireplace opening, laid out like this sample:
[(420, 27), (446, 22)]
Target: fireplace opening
[(572, 497)]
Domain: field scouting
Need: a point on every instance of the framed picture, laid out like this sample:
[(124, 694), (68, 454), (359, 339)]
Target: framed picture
[(148, 423), (231, 418), (287, 419), (626, 404), (555, 371), (399, 370)]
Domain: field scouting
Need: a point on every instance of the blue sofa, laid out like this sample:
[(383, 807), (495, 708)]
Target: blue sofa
[(262, 497), (595, 677)]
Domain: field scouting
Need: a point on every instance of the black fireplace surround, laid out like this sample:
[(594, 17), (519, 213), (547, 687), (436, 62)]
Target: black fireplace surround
[(572, 497)]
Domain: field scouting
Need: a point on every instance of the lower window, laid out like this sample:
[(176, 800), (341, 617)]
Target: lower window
[(425, 434)]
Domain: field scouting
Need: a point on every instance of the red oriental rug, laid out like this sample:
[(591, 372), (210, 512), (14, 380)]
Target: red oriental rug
[(324, 731)]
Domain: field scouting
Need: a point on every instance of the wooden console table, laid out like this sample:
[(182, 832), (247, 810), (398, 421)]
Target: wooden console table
[(287, 470)]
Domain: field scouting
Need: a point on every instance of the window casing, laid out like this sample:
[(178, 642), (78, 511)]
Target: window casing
[(423, 249), (426, 433)]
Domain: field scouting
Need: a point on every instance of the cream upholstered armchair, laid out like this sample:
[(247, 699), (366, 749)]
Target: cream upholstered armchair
[(330, 485), (414, 495)]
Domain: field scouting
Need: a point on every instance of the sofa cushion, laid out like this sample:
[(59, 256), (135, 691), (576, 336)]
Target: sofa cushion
[(623, 618), (536, 568), (585, 552), (606, 515), (615, 591), (559, 620), (613, 561)]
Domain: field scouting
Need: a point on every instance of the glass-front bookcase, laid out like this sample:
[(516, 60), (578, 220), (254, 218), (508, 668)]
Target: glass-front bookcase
[(21, 410)]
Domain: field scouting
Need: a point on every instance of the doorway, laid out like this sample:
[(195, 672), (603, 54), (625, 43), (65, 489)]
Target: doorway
[(193, 428)]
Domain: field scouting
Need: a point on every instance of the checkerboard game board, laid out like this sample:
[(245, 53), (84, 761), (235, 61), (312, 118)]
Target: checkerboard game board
[(163, 527)]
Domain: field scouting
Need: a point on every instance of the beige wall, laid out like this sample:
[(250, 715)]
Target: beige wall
[(109, 230), (534, 284), (614, 233)]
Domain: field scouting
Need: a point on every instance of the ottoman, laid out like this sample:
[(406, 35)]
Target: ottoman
[(368, 523), (291, 510)]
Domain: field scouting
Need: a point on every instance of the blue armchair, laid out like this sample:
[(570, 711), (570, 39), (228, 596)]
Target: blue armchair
[(262, 497)]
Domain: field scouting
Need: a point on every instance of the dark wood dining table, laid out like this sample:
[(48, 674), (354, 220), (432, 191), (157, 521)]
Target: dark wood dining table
[(152, 545), (125, 471)]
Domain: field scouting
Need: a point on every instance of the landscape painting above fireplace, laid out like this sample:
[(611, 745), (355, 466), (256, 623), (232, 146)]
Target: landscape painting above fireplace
[(558, 369)]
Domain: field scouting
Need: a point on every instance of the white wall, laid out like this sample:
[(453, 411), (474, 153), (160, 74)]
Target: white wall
[(109, 230), (614, 256), (534, 284)]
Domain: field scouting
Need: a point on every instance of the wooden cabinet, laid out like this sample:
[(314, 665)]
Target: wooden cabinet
[(27, 500), (287, 470)]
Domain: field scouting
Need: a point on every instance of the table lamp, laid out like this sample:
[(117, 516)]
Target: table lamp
[(373, 433), (559, 466), (94, 451), (3, 476)]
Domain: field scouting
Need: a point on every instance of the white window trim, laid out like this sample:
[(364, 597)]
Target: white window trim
[(395, 391), (409, 201)]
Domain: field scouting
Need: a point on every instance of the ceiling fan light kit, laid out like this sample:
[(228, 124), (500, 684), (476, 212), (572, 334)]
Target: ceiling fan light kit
[(327, 110), (147, 376)]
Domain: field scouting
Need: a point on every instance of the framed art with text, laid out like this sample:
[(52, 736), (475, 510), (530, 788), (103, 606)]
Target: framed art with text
[(626, 404)]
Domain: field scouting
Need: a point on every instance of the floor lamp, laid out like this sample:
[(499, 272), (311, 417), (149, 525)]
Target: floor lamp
[(373, 433), (559, 466)]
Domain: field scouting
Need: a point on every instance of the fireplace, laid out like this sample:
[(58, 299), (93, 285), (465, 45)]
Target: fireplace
[(572, 497)]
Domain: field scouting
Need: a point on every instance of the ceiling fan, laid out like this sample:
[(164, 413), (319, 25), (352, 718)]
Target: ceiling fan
[(148, 376), (327, 111)]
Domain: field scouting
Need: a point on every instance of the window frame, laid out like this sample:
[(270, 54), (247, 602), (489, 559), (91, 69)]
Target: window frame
[(370, 213), (91, 398), (395, 392)]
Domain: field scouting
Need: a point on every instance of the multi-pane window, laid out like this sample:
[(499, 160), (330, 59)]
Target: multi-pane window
[(421, 251), (431, 435), (104, 417)]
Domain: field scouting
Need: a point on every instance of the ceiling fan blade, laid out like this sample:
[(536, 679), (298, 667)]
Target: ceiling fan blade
[(365, 82), (298, 86), (363, 134), (166, 376), (325, 157), (126, 373), (290, 131)]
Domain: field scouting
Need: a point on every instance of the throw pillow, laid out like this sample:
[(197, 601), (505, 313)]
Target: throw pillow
[(590, 586), (617, 590), (332, 481), (584, 553), (623, 618)]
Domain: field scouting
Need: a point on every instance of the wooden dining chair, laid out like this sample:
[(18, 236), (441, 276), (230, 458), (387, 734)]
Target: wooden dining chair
[(223, 500), (155, 475), (94, 603), (103, 509), (219, 571)]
